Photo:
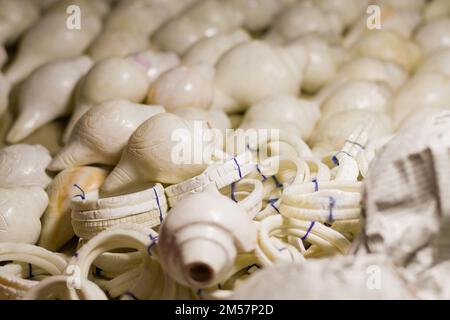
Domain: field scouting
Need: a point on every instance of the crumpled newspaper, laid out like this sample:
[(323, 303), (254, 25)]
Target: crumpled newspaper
[(407, 196), (351, 277)]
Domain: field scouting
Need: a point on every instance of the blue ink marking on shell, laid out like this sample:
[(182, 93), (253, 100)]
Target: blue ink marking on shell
[(238, 167), (356, 144), (332, 202), (308, 231), (83, 195), (272, 204), (278, 184), (316, 184), (159, 207), (263, 176)]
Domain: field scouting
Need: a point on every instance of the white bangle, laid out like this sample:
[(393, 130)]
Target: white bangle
[(91, 214), (310, 231), (221, 175), (13, 286), (248, 193)]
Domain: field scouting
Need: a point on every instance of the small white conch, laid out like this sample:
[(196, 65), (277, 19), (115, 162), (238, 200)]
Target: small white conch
[(388, 45), (332, 131), (102, 133), (304, 18), (425, 89), (434, 35), (201, 237), (283, 111), (205, 18), (20, 211), (184, 86), (46, 95), (254, 70), (51, 39), (56, 221), (5, 88), (438, 62), (21, 14), (23, 165), (117, 43), (323, 61), (108, 80), (161, 150), (209, 50), (156, 63), (360, 95)]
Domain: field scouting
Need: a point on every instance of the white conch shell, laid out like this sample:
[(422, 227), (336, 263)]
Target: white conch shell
[(254, 70), (17, 17), (284, 111), (184, 86), (303, 18), (436, 9), (46, 95), (215, 117), (204, 19), (331, 131), (426, 89), (201, 236), (117, 43), (108, 80), (365, 68), (156, 63), (209, 50), (50, 39), (438, 62), (434, 35), (143, 16), (348, 11), (56, 222), (102, 133), (20, 211), (257, 14), (402, 22), (389, 46), (358, 94), (323, 61), (23, 165), (5, 88), (153, 152)]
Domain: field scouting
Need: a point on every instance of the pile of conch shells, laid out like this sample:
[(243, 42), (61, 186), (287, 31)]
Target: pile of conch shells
[(96, 98)]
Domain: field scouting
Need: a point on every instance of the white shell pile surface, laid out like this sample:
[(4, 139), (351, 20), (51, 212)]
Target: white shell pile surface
[(96, 101)]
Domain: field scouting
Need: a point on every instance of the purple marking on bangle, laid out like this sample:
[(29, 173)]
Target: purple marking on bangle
[(152, 244), (356, 144), (233, 189), (75, 254), (263, 176), (316, 184), (83, 195), (30, 270), (239, 168), (331, 206), (308, 231), (335, 159), (159, 207), (278, 184), (130, 294), (272, 204)]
